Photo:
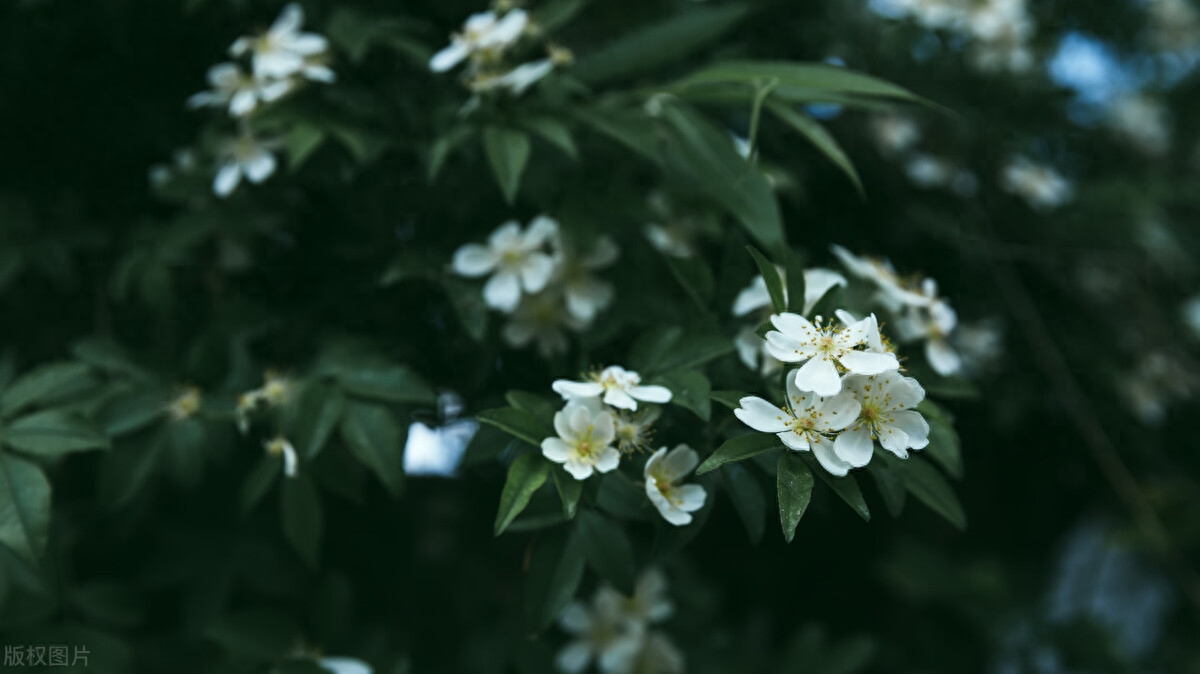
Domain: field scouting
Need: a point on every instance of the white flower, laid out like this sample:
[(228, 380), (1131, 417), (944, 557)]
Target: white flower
[(541, 318), (635, 430), (934, 324), (822, 348), (1143, 121), (670, 240), (619, 387), (602, 634), (515, 81), (1174, 25), (807, 422), (753, 353), (979, 345), (1191, 315), (280, 446), (649, 604), (893, 291), (817, 282), (675, 502), (584, 442), (515, 260), (659, 656), (244, 156), (284, 51), (1158, 380), (484, 37), (586, 295), (344, 666), (1042, 187), (886, 415), (894, 134), (237, 91)]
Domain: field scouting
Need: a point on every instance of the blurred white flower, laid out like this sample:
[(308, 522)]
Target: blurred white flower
[(236, 91), (1191, 315), (515, 259), (823, 347), (670, 239), (515, 81), (893, 133), (1143, 121), (980, 345), (484, 38), (541, 318), (284, 51), (584, 442), (1042, 187), (185, 405), (927, 171), (808, 422), (663, 471), (817, 282), (658, 656), (895, 293), (1158, 380), (600, 634), (752, 351), (281, 447), (344, 666), (932, 323), (1174, 25), (585, 293), (619, 387), (649, 604), (886, 415), (244, 156)]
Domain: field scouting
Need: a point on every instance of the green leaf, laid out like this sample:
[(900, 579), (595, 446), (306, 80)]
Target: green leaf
[(607, 550), (518, 423), (739, 449), (794, 483), (258, 482), (373, 436), (554, 14), (321, 406), (690, 390), (653, 346), (692, 351), (468, 306), (617, 496), (945, 447), (264, 634), (125, 471), (106, 355), (695, 277), (24, 507), (536, 405), (47, 383), (641, 50), (300, 511), (553, 131), (508, 153), (631, 128), (802, 82), (53, 433), (363, 144), (555, 571), (394, 384), (927, 484), (131, 412), (770, 274), (845, 487), (703, 158), (569, 491), (730, 399), (821, 139), (890, 486), (302, 140), (186, 441), (748, 500), (526, 475), (795, 292), (445, 145)]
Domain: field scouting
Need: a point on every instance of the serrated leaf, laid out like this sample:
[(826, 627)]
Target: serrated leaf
[(508, 153), (555, 571), (747, 496), (24, 507), (377, 441), (631, 128), (794, 485), (525, 476), (739, 449), (770, 274), (44, 384), (607, 549), (300, 512), (53, 433), (518, 423)]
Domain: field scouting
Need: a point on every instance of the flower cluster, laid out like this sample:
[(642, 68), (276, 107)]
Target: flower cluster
[(754, 301), (485, 43), (999, 32), (616, 632), (921, 315), (543, 281), (846, 395)]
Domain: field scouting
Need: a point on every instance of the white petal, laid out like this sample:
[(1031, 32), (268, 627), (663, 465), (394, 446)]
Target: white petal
[(579, 418), (579, 470), (502, 291), (793, 440), (761, 415), (449, 57), (670, 513), (507, 30), (307, 44), (894, 440), (905, 392), (574, 657), (839, 411), (587, 297), (473, 260), (227, 179), (608, 459), (619, 399), (575, 618), (259, 167), (795, 327), (752, 298), (344, 666), (536, 271), (273, 91), (604, 252), (829, 461), (651, 394), (652, 463), (679, 462), (576, 389), (318, 73), (817, 282), (819, 376), (541, 229), (914, 426), (691, 497), (242, 103), (507, 237), (556, 450), (786, 349), (855, 447), (277, 64), (289, 21), (942, 357), (869, 362)]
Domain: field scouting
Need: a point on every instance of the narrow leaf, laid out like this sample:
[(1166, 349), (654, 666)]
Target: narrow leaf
[(748, 500), (300, 510), (770, 274), (794, 482), (845, 487), (376, 440), (739, 449), (24, 507), (526, 475), (820, 138), (53, 433), (508, 153), (519, 423)]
